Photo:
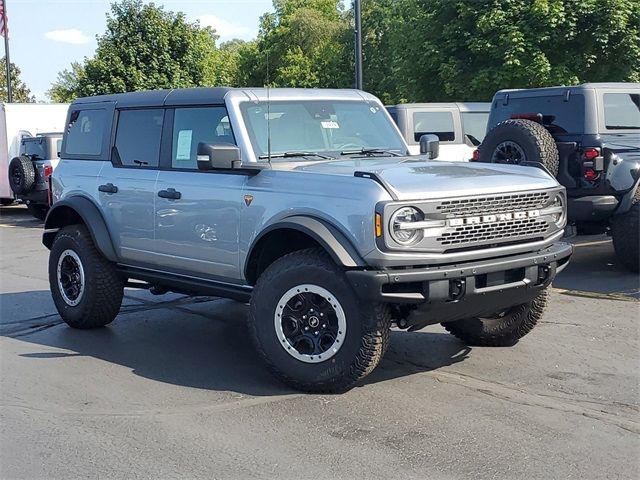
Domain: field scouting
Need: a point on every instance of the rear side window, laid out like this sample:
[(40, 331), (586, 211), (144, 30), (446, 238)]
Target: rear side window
[(197, 125), (474, 124), (85, 132), (622, 111), (437, 123), (138, 137)]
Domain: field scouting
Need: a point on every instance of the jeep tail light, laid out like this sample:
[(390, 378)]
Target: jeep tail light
[(534, 117), (48, 170), (475, 157), (590, 174), (590, 154)]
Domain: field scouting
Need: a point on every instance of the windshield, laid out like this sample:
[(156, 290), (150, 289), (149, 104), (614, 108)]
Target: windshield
[(622, 111), (474, 124), (325, 126)]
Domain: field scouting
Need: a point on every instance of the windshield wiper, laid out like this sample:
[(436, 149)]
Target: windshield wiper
[(370, 151), (296, 154)]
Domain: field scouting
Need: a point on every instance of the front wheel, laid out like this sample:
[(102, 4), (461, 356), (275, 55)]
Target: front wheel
[(625, 230), (311, 329), (85, 286), (503, 329)]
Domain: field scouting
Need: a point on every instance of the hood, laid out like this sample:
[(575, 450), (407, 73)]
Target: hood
[(620, 142), (407, 178)]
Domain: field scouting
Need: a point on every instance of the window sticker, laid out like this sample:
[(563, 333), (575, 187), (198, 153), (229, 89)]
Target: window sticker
[(183, 151), (329, 124)]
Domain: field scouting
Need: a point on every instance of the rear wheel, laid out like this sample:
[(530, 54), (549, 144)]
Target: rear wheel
[(517, 141), (625, 231), (22, 175), (503, 329), (85, 286), (309, 326)]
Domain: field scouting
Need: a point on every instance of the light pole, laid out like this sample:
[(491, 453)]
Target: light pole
[(358, 50)]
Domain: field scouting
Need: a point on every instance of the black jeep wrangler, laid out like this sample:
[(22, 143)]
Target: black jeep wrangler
[(588, 136)]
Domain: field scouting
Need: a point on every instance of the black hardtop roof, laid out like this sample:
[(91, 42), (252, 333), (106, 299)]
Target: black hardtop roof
[(158, 98), (574, 88)]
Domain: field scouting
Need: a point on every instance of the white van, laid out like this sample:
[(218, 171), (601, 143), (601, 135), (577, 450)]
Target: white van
[(20, 120), (459, 126)]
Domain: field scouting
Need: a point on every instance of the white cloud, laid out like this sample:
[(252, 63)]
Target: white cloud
[(71, 35), (227, 30)]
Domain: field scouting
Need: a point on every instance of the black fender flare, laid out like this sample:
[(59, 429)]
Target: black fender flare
[(67, 211), (329, 237)]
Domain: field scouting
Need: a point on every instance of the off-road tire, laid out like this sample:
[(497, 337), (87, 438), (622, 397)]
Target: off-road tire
[(535, 141), (367, 332), (22, 175), (38, 211), (103, 289), (625, 231), (504, 331)]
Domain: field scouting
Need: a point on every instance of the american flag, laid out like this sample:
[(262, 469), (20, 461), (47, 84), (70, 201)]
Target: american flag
[(4, 29)]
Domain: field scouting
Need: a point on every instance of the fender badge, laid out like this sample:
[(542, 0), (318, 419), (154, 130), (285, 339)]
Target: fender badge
[(248, 199)]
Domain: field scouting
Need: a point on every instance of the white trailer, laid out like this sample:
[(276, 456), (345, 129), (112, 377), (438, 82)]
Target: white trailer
[(19, 120)]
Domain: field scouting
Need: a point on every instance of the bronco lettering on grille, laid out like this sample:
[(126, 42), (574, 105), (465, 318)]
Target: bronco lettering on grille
[(497, 217)]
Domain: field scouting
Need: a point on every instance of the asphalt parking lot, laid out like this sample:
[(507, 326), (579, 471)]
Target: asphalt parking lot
[(172, 389)]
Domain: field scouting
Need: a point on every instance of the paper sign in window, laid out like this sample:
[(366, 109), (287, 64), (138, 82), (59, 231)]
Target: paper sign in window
[(329, 124), (183, 150)]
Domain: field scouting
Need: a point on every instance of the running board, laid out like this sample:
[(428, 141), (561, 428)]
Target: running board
[(188, 285)]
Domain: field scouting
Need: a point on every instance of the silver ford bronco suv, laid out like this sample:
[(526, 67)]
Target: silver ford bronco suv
[(304, 204)]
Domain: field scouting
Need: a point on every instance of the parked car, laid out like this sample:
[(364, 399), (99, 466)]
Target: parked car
[(23, 120), (305, 204), (30, 171), (588, 136), (460, 127)]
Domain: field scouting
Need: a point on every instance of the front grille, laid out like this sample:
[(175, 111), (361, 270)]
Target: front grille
[(487, 232), (494, 204)]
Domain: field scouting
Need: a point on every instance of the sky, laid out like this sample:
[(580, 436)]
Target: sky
[(45, 36)]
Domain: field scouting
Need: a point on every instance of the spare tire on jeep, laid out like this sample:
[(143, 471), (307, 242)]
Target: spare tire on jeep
[(517, 141), (22, 175)]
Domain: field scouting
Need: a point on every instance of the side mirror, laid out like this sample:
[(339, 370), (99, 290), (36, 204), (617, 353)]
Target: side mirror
[(430, 145), (220, 156)]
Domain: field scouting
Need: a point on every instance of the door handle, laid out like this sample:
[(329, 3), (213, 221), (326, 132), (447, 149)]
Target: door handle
[(170, 193), (108, 188)]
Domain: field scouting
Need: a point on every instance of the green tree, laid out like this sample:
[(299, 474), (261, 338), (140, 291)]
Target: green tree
[(20, 91), (306, 43), (66, 86), (466, 49), (146, 47)]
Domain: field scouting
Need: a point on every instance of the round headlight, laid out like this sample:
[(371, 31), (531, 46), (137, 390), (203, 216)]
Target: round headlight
[(559, 215), (400, 224)]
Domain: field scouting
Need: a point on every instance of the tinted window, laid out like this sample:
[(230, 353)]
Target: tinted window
[(622, 111), (85, 132), (35, 148), (558, 115), (138, 137), (194, 125), (437, 123), (474, 124)]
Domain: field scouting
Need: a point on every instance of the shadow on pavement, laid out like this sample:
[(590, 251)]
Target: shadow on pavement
[(594, 268), (18, 216), (201, 346)]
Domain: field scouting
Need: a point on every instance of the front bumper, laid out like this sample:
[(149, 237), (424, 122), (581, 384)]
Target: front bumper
[(451, 292)]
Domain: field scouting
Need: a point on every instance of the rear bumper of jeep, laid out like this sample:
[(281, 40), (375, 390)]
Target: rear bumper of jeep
[(452, 292), (592, 208)]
